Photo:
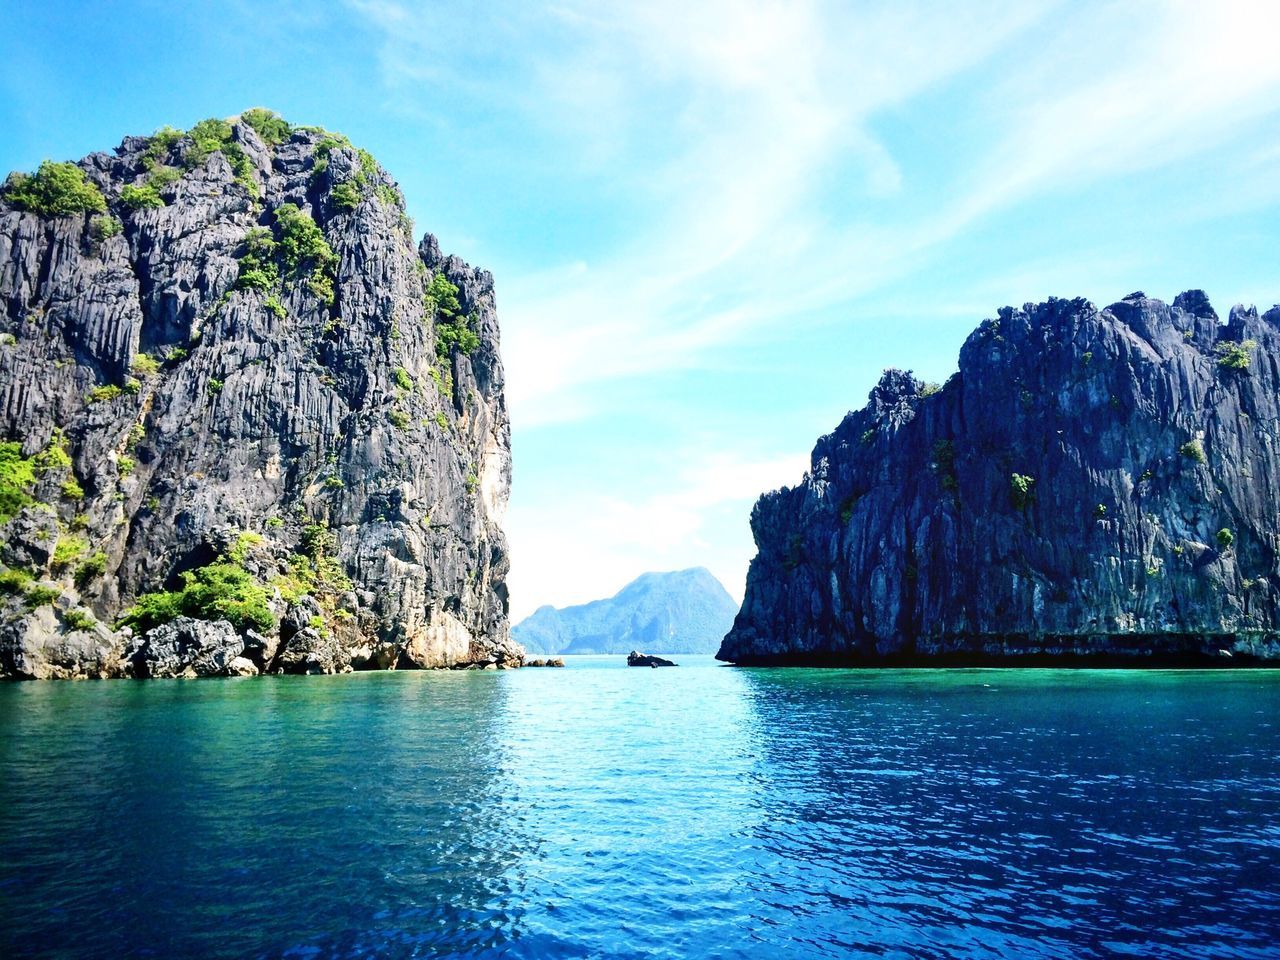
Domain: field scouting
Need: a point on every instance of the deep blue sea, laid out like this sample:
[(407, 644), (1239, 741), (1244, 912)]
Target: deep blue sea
[(601, 811)]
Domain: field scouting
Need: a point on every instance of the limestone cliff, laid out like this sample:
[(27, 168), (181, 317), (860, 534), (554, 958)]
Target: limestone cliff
[(243, 412), (1091, 486)]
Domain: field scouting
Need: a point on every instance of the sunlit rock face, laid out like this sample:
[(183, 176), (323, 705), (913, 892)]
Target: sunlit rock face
[(1091, 485), (333, 406)]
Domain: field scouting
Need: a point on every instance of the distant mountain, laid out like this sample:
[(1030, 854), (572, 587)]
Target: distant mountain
[(686, 611)]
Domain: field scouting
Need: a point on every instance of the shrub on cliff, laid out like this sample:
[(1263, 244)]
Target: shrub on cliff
[(1020, 490), (103, 228), (54, 190), (268, 125), (452, 328), (140, 197), (212, 135), (305, 251), (257, 269), (17, 476), (1235, 356), (219, 591), (345, 196)]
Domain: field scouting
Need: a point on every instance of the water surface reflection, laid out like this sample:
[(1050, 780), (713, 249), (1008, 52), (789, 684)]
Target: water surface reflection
[(600, 811)]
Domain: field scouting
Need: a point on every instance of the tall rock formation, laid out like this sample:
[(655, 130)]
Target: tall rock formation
[(237, 396), (1092, 485)]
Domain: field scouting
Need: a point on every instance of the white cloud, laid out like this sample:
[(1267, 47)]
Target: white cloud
[(584, 544), (728, 115), (729, 125), (759, 101)]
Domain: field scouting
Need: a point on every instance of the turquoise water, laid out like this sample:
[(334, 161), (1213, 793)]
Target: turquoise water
[(600, 811)]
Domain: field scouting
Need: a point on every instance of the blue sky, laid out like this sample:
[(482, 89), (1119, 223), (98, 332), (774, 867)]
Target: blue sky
[(713, 224)]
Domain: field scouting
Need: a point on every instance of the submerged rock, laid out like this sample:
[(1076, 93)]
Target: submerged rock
[(638, 659), (1092, 485), (244, 361)]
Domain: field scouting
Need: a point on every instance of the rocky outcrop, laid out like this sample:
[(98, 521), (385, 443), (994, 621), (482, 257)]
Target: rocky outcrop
[(545, 662), (243, 361), (1091, 486), (186, 647), (637, 659)]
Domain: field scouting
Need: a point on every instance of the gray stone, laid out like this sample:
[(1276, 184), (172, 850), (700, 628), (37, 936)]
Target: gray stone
[(30, 539), (185, 647), (39, 644), (242, 667), (912, 540), (269, 415), (313, 650)]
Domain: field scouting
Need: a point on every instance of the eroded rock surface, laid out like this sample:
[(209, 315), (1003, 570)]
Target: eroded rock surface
[(340, 408), (1091, 485)]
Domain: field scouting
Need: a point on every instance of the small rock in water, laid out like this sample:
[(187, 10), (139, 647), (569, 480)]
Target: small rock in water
[(637, 659)]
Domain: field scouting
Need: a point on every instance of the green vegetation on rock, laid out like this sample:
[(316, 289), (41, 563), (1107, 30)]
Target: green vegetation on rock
[(142, 197), (1193, 450), (214, 135), (159, 145), (54, 190), (67, 552), (145, 365), (107, 391), (270, 127), (345, 196), (91, 569), (453, 330), (14, 582), (258, 270), (273, 304), (1235, 356), (1020, 490), (305, 252), (222, 590), (104, 227), (17, 477), (79, 619), (39, 596)]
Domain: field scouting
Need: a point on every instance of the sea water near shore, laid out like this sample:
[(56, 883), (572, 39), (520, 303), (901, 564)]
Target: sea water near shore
[(600, 811)]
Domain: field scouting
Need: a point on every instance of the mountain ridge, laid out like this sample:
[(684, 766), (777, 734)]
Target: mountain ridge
[(679, 611)]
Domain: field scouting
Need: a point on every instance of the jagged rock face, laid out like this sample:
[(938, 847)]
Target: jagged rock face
[(1091, 485), (271, 410)]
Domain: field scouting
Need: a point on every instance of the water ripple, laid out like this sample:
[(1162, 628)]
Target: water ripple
[(598, 811)]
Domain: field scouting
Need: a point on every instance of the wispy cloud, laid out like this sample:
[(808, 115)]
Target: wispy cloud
[(743, 157), (589, 542), (727, 117)]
